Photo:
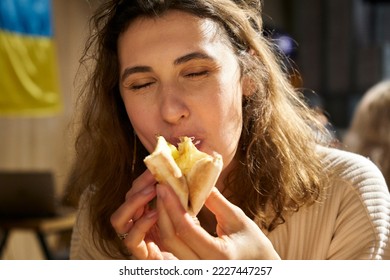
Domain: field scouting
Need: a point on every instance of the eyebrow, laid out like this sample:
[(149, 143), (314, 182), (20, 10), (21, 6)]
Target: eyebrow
[(137, 69), (144, 69), (191, 56)]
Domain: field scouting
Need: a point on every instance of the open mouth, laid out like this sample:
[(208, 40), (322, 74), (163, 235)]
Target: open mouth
[(177, 140)]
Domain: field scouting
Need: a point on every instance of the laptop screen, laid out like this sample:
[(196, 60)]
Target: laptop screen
[(27, 194)]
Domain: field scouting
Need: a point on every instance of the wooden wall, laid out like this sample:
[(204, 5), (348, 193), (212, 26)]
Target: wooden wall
[(46, 143)]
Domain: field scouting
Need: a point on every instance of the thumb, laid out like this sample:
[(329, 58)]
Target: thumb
[(228, 215), (216, 202)]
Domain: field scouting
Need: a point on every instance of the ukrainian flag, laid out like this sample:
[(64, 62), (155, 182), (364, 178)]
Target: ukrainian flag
[(29, 83)]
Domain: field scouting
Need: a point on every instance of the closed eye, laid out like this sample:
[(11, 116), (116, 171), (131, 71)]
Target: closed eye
[(197, 74), (141, 86)]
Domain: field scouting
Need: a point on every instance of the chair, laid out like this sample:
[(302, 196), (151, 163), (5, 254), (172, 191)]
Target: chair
[(42, 227), (28, 202)]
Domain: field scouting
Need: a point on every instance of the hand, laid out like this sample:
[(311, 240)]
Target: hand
[(238, 236), (135, 222)]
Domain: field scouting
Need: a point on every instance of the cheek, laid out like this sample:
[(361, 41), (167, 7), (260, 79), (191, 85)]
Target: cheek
[(142, 123), (232, 104), (227, 121), (233, 121)]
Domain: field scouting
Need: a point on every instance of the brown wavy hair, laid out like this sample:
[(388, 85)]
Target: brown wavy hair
[(279, 170)]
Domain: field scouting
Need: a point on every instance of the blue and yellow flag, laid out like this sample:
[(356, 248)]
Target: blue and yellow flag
[(29, 82)]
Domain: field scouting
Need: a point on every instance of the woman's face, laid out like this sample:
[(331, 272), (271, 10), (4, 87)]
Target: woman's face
[(179, 78)]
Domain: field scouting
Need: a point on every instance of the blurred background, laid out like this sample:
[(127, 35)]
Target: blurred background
[(340, 48)]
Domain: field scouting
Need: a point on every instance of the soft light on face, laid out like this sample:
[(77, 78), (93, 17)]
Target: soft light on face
[(178, 77)]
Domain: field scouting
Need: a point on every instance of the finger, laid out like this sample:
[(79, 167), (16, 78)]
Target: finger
[(168, 256), (135, 240), (154, 252), (237, 229), (229, 216), (179, 230), (123, 218), (168, 235), (145, 179)]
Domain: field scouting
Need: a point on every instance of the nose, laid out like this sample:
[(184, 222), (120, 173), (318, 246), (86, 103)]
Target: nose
[(173, 105)]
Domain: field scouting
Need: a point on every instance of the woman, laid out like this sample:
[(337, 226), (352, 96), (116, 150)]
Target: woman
[(203, 69), (369, 133)]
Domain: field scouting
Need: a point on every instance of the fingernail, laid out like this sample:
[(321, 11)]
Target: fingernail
[(148, 190), (151, 214), (161, 193)]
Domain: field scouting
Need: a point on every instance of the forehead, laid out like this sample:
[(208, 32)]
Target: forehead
[(171, 25), (175, 17)]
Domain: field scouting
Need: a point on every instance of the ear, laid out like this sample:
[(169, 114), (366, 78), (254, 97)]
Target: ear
[(248, 85)]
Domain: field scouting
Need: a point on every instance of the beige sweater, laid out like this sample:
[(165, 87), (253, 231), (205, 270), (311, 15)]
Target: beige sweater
[(353, 222)]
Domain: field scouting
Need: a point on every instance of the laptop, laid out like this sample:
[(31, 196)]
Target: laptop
[(25, 194)]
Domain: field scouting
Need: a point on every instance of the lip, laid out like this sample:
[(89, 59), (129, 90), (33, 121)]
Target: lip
[(195, 140)]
